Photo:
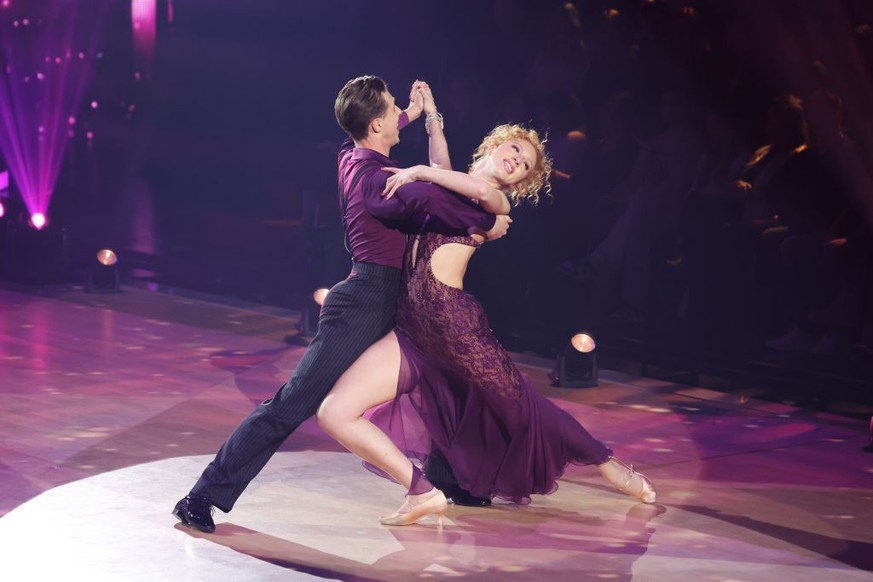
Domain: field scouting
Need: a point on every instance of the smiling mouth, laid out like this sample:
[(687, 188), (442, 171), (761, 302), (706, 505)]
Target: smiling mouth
[(507, 166)]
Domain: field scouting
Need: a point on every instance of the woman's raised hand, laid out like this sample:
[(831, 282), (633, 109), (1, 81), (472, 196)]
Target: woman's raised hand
[(428, 103)]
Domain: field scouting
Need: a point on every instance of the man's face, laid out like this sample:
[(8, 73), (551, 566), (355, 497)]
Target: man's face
[(390, 131)]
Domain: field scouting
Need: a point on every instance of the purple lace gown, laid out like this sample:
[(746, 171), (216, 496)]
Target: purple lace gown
[(460, 393)]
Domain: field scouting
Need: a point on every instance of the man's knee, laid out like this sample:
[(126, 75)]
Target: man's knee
[(284, 411)]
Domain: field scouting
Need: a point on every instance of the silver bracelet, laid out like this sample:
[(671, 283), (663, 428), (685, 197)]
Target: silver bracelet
[(432, 116)]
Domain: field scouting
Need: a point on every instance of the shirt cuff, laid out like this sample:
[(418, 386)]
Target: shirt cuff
[(403, 121)]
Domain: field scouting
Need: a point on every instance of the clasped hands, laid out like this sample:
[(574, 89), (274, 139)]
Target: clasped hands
[(420, 100)]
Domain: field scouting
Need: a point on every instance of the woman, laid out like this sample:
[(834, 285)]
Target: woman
[(450, 386)]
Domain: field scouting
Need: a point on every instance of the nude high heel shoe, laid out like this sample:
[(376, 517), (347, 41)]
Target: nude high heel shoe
[(623, 477), (435, 504)]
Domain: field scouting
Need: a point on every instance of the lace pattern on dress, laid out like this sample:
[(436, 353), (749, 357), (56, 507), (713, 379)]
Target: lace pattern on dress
[(449, 325)]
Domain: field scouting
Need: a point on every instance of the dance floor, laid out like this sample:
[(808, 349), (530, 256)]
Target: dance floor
[(111, 405)]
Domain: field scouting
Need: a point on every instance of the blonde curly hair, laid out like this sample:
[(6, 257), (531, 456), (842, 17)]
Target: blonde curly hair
[(538, 179)]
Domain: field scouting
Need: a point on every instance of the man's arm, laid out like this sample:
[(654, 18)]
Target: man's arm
[(417, 201)]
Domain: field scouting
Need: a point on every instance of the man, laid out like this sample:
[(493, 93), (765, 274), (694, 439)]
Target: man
[(357, 311)]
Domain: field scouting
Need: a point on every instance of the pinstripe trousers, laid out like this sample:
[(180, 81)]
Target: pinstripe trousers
[(357, 312)]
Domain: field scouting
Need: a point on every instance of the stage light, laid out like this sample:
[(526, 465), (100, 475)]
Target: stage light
[(107, 257), (4, 191), (143, 20), (582, 342), (38, 220), (576, 365), (41, 89), (103, 276), (307, 327), (319, 295)]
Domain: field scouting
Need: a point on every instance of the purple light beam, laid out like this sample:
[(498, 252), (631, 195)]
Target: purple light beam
[(143, 19), (47, 53)]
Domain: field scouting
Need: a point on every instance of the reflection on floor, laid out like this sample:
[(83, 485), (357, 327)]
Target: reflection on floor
[(111, 405)]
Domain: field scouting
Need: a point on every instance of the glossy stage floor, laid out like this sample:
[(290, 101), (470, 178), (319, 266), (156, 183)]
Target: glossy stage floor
[(110, 405)]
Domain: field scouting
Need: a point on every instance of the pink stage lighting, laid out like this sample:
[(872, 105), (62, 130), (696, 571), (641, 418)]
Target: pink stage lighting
[(143, 19), (37, 220), (4, 191), (41, 87)]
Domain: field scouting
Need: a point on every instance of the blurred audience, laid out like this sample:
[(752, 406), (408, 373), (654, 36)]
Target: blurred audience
[(684, 158), (823, 269), (651, 199)]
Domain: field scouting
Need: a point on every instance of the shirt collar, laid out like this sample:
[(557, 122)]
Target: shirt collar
[(359, 154)]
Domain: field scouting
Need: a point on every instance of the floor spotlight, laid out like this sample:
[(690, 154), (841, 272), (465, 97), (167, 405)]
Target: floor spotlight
[(576, 366), (319, 295), (103, 276), (308, 326)]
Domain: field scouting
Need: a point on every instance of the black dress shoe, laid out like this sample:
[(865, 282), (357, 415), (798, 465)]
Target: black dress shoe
[(195, 511), (459, 496)]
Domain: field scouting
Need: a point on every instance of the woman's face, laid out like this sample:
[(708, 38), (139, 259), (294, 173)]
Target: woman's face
[(512, 161)]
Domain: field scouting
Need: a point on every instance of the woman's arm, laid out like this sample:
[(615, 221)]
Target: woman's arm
[(487, 196), (437, 146), (440, 171)]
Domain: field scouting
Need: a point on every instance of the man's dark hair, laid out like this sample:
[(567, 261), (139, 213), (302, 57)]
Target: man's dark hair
[(359, 103)]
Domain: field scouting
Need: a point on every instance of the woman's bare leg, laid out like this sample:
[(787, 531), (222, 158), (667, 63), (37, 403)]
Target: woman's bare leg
[(370, 381)]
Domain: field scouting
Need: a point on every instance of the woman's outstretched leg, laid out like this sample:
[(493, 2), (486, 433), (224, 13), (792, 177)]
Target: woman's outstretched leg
[(370, 381)]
